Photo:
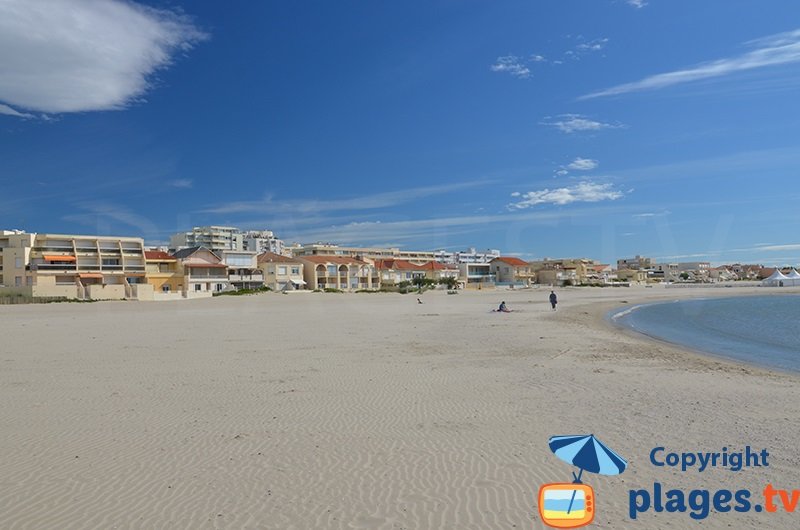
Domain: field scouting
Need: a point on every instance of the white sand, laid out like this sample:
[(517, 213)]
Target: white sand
[(362, 411)]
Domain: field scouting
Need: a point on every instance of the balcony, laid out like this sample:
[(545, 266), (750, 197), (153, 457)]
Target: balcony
[(246, 277), (54, 267)]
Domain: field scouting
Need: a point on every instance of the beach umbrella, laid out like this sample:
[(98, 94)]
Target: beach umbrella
[(587, 453)]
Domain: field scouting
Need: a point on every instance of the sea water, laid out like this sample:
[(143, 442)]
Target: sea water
[(761, 330)]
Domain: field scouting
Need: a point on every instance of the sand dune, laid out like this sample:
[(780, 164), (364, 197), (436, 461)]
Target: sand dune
[(361, 411)]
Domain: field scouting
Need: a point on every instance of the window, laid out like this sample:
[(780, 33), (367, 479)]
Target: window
[(18, 281), (282, 269), (28, 280), (219, 286), (165, 288), (331, 270), (18, 263), (295, 270), (197, 287)]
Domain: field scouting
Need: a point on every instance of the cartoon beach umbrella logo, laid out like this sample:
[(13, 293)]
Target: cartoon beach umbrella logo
[(571, 505)]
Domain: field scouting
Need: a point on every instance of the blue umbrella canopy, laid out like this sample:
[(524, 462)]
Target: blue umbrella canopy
[(587, 453)]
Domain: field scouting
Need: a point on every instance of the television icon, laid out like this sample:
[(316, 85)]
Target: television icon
[(566, 505)]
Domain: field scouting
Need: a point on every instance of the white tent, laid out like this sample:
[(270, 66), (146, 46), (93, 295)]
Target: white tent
[(793, 278), (778, 279)]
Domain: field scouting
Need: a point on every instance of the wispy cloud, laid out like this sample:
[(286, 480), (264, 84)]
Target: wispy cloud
[(594, 45), (511, 64), (638, 4), (572, 123), (366, 202), (647, 215), (432, 229), (781, 48), (582, 164), (5, 109), (181, 183), (85, 56), (778, 248), (582, 192)]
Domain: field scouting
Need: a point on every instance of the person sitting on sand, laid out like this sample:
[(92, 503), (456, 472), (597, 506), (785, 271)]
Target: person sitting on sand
[(419, 301), (503, 308)]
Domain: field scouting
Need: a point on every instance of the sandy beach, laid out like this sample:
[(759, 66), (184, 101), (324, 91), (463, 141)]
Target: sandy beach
[(310, 410)]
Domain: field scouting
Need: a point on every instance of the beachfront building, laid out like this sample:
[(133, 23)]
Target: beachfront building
[(600, 274), (213, 238), (563, 271), (721, 274), (476, 275), (368, 253), (745, 271), (636, 263), (163, 274), (281, 273), (70, 266), (260, 241), (203, 271), (394, 271), (338, 272), (509, 270), (556, 276), (470, 255), (15, 248), (243, 271), (632, 275)]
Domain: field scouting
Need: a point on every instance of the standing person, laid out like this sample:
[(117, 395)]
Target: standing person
[(553, 299)]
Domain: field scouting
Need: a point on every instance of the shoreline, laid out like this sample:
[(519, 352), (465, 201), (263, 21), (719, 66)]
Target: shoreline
[(612, 320)]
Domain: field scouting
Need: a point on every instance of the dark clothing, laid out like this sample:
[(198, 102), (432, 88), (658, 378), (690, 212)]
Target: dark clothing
[(553, 300)]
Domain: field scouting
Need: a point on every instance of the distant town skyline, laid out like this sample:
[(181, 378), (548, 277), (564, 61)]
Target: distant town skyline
[(603, 128)]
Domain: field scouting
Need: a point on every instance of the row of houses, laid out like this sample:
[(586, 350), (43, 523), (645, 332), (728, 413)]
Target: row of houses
[(101, 267)]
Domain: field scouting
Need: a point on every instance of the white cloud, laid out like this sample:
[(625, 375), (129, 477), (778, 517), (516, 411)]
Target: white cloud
[(5, 109), (592, 46), (638, 4), (782, 48), (181, 183), (571, 123), (515, 194), (536, 58), (776, 248), (511, 64), (365, 202), (59, 56), (582, 164), (583, 192), (561, 172)]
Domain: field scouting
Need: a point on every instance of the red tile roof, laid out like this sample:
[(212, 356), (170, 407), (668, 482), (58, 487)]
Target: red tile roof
[(271, 257), (158, 255), (341, 260), (403, 264), (515, 262)]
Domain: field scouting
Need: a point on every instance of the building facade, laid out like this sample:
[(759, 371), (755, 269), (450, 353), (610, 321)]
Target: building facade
[(339, 272), (203, 271), (214, 238), (281, 273), (509, 270)]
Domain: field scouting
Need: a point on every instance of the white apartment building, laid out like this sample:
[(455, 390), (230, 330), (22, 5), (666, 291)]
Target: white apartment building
[(260, 241), (466, 256), (214, 238)]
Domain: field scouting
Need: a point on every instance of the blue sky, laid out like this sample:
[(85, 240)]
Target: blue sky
[(599, 128)]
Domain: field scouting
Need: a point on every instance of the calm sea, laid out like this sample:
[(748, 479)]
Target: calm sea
[(761, 330)]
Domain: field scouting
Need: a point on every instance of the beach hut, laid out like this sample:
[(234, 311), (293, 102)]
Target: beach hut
[(777, 279)]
